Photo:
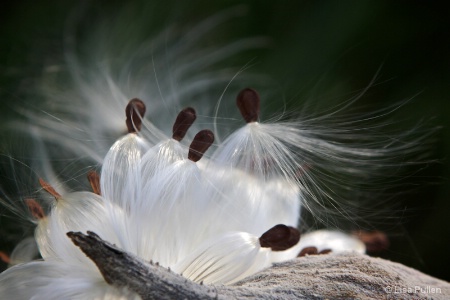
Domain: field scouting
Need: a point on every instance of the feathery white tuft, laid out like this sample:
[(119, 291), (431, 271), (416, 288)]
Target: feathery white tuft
[(215, 216)]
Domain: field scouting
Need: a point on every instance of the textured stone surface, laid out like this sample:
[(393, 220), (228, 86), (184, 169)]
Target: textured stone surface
[(344, 276)]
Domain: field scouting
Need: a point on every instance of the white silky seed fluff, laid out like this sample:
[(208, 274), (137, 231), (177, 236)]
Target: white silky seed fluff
[(200, 219)]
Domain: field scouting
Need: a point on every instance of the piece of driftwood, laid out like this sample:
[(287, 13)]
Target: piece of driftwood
[(344, 276)]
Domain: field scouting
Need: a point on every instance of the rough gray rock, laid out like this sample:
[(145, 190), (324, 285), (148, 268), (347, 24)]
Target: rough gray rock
[(345, 276)]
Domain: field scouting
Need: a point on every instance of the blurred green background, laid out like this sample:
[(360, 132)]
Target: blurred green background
[(322, 49)]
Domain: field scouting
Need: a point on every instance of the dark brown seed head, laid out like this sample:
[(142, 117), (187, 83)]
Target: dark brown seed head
[(326, 251), (280, 238), (202, 141), (184, 120), (134, 111), (49, 189), (35, 209), (308, 251), (248, 103), (5, 257), (94, 180), (375, 241)]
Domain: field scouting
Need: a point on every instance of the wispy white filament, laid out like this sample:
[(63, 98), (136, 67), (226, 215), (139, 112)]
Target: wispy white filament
[(203, 219)]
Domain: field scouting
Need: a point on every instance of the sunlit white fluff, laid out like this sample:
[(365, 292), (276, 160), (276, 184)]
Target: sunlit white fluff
[(216, 260), (24, 251), (122, 168), (42, 280), (155, 203), (170, 70), (330, 239), (202, 219), (170, 219)]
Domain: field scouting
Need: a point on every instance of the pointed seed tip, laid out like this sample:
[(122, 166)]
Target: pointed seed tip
[(5, 257), (202, 141), (189, 110), (35, 208), (49, 189), (184, 121), (94, 180), (248, 102), (134, 112)]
